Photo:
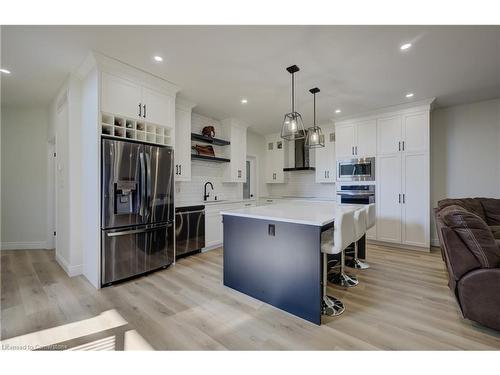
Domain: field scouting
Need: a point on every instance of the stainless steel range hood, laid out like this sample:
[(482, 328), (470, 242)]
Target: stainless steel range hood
[(302, 159)]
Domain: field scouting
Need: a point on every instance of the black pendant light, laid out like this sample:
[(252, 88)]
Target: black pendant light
[(315, 137), (293, 127)]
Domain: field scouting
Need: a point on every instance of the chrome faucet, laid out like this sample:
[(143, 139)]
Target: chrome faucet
[(205, 194)]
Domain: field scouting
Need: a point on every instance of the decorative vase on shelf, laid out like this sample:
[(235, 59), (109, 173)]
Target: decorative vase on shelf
[(208, 131)]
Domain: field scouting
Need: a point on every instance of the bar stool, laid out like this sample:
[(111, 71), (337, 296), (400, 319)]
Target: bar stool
[(361, 225), (340, 239)]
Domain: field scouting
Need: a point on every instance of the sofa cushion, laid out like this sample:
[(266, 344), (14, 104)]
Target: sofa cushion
[(495, 229), (491, 209), (474, 232), (470, 204)]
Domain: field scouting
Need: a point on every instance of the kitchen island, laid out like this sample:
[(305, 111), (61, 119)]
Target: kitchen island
[(273, 253)]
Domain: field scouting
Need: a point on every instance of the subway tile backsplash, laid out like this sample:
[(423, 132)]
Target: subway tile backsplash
[(302, 184)]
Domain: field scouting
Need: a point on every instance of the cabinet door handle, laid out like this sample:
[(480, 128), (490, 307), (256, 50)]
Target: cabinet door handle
[(140, 110), (180, 169), (356, 150), (403, 148), (328, 174), (144, 106), (399, 198), (353, 150), (404, 198), (399, 146), (176, 169)]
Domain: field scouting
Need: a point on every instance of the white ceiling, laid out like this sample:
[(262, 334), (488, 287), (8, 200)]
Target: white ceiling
[(357, 68)]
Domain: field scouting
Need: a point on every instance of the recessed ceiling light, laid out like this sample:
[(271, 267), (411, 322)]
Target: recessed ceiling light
[(409, 95), (405, 46), (244, 101), (158, 58), (5, 71), (338, 111)]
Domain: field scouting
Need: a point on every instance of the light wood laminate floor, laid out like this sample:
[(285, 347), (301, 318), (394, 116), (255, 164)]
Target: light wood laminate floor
[(401, 302)]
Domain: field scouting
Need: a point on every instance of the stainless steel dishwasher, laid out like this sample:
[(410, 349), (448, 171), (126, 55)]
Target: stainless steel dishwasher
[(189, 230)]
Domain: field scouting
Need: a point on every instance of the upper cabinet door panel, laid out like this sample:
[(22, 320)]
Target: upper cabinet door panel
[(158, 107), (345, 141), (416, 132), (367, 138), (388, 135), (120, 96)]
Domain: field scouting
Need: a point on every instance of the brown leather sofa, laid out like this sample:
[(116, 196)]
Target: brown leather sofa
[(469, 234)]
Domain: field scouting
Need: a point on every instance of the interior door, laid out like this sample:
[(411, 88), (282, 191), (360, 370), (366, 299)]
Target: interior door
[(345, 139), (121, 184), (120, 96), (416, 197), (159, 184), (366, 134), (389, 198), (389, 135), (158, 107)]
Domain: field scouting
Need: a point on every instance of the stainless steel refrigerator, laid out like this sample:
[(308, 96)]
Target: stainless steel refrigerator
[(137, 205)]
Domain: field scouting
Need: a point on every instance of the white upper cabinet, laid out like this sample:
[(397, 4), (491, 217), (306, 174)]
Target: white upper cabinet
[(157, 107), (416, 132), (366, 134), (346, 138), (356, 139), (182, 153), (275, 159), (236, 133), (325, 157), (389, 135), (120, 96)]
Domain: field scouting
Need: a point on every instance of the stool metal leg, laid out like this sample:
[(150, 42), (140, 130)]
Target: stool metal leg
[(355, 262), (341, 278), (330, 306)]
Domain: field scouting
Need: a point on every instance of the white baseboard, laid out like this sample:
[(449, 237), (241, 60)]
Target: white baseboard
[(70, 270), (33, 245)]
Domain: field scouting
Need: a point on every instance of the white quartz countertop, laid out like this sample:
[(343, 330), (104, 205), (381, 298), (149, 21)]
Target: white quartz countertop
[(298, 212)]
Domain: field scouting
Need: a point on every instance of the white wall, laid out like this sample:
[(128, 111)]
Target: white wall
[(24, 177), (465, 152)]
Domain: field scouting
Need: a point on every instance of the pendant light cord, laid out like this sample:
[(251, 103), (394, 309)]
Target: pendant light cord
[(314, 99), (293, 93)]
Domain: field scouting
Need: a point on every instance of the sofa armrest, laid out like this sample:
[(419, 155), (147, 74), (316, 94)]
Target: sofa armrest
[(479, 296)]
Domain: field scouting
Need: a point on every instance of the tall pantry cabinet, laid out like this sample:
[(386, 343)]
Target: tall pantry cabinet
[(402, 176)]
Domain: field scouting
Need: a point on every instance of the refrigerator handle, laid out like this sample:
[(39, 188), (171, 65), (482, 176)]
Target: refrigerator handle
[(143, 186), (148, 184)]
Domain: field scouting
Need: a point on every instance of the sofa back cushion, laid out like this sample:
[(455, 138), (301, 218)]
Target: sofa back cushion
[(470, 204), (491, 209), (474, 233)]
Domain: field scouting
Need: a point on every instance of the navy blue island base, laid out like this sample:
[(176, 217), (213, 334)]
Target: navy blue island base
[(275, 262)]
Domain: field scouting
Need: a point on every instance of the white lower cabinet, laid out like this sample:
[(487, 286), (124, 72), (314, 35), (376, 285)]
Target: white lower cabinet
[(214, 234), (389, 198), (416, 210)]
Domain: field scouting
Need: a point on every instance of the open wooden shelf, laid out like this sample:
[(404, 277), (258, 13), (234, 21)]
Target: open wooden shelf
[(213, 141), (209, 158)]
